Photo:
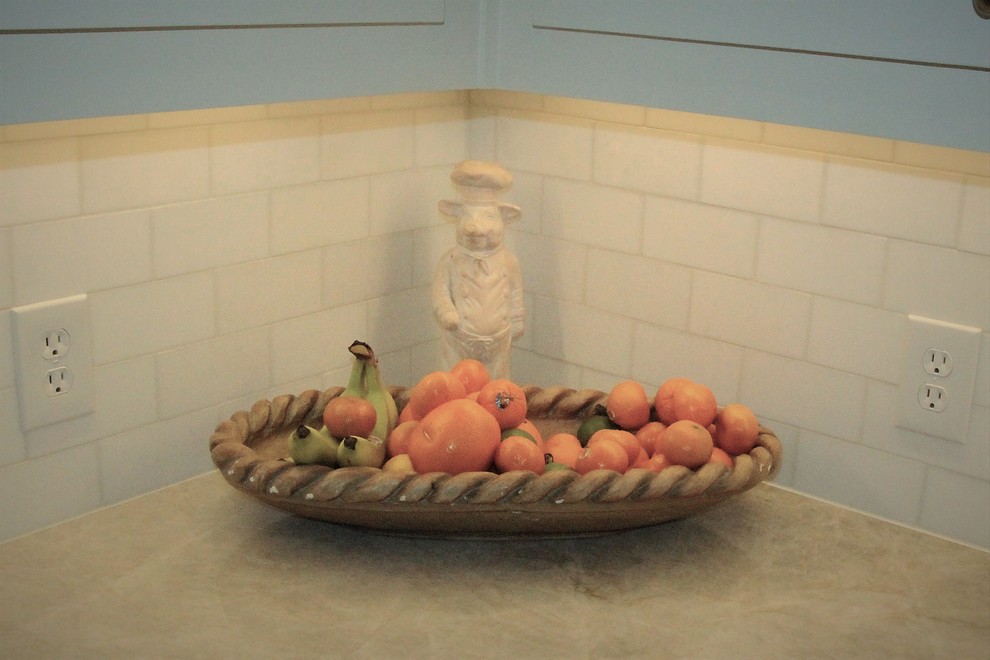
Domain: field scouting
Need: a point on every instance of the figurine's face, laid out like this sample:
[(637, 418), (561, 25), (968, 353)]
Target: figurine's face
[(480, 228)]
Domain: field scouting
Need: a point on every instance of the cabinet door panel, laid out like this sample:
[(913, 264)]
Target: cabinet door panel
[(932, 31), (72, 74), (40, 15), (868, 95)]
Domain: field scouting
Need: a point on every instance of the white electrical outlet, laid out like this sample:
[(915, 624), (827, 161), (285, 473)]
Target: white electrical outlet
[(53, 361), (938, 377)]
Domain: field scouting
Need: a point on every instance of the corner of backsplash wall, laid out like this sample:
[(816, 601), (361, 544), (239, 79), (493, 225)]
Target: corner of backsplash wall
[(712, 233), (770, 255)]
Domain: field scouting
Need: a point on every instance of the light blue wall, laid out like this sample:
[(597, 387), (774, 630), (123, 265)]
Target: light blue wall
[(754, 60), (397, 46), (913, 70)]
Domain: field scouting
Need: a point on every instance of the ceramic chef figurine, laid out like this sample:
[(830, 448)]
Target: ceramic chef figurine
[(477, 290)]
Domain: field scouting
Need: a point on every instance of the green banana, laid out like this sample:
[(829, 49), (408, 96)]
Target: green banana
[(363, 452), (366, 382), (308, 445)]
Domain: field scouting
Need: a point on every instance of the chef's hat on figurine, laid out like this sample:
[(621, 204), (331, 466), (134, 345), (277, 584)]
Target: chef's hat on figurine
[(480, 183)]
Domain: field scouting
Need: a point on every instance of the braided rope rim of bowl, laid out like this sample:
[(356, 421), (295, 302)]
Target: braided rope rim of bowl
[(243, 468)]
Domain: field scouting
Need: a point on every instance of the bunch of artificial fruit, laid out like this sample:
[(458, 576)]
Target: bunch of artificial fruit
[(355, 424)]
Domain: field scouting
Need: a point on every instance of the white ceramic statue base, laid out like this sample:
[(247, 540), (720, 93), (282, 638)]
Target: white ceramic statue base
[(477, 289)]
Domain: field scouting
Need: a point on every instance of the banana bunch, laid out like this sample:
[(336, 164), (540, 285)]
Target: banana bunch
[(355, 450), (308, 445), (365, 382)]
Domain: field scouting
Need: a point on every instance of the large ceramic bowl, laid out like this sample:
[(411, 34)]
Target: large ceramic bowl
[(250, 448)]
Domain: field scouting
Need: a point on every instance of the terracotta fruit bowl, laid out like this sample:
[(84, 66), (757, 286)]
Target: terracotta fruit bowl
[(250, 448)]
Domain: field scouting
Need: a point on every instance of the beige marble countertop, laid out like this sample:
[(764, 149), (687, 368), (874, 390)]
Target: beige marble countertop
[(200, 570)]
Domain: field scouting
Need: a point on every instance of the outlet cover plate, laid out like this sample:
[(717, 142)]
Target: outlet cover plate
[(949, 418), (34, 325)]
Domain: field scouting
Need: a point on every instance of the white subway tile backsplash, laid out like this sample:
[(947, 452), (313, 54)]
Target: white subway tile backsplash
[(315, 214), (751, 314), (701, 236), (647, 160), (957, 506), (551, 267), (316, 343), (116, 408), (788, 436), (892, 200), (144, 459), (856, 338), (144, 168), (441, 136), (637, 287), (823, 260), (939, 283), (366, 269), (590, 214), (661, 353), (438, 99), (356, 144), (534, 369), (6, 270), (981, 395), (708, 125), (778, 275), (766, 180), (615, 113), (545, 144), (144, 318), (401, 320), (430, 244), (209, 233), (13, 449), (402, 201), (526, 192), (33, 498), (971, 457), (94, 252), (206, 373), (39, 180), (974, 228), (809, 396), (262, 292), (859, 477), (264, 154), (6, 352), (583, 335)]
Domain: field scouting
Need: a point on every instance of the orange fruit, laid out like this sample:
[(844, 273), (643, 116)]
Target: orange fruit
[(683, 399), (527, 427), (518, 453), (625, 439), (398, 440), (655, 463), (505, 401), (456, 436), (648, 434), (719, 456), (686, 443), (472, 373), (628, 406), (564, 447), (736, 429), (349, 415), (433, 389), (606, 454), (407, 414)]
